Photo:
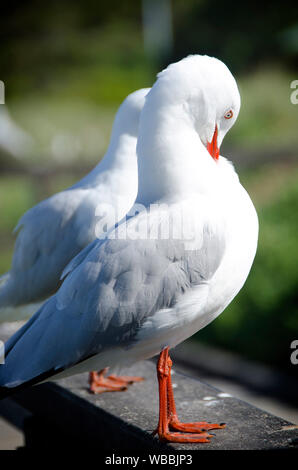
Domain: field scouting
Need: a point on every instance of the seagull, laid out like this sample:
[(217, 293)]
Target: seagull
[(54, 231), (51, 233), (166, 270)]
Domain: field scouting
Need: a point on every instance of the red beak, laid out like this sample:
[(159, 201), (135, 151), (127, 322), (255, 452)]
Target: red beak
[(212, 146)]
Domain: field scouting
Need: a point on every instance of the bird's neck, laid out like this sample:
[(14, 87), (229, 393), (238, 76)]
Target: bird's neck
[(120, 159), (121, 153), (172, 161)]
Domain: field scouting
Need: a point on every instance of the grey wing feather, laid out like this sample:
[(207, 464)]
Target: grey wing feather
[(104, 301), (77, 259), (50, 235)]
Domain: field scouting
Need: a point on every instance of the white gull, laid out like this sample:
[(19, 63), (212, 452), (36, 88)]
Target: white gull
[(51, 233), (132, 298)]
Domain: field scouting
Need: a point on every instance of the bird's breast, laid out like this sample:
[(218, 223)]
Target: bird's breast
[(241, 237)]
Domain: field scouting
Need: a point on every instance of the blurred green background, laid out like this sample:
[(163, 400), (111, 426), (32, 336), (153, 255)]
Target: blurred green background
[(68, 65)]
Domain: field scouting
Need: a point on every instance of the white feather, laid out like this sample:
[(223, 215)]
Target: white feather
[(127, 299)]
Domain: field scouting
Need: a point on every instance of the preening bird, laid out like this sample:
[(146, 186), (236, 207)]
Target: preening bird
[(166, 272), (54, 231), (51, 233)]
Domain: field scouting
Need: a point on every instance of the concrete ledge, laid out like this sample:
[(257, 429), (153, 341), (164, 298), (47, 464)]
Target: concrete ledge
[(65, 413), (191, 355)]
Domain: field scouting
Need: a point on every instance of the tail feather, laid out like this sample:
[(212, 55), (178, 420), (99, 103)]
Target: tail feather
[(6, 392)]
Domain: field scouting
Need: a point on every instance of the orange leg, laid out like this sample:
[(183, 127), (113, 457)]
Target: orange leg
[(163, 430), (99, 383), (174, 422)]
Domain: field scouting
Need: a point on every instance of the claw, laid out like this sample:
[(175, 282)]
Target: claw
[(168, 423), (100, 384), (184, 438)]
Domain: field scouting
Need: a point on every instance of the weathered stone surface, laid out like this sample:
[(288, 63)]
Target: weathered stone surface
[(124, 421)]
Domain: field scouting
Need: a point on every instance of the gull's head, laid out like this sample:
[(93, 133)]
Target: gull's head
[(205, 88), (128, 115)]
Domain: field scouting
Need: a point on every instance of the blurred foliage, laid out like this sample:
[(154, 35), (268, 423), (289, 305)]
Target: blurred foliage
[(77, 130), (101, 43), (16, 196), (242, 34), (73, 48), (68, 65), (268, 119)]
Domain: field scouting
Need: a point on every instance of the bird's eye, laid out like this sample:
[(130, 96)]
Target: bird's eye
[(228, 114)]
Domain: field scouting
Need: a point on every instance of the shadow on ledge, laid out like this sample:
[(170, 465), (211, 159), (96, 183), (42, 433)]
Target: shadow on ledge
[(64, 414)]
